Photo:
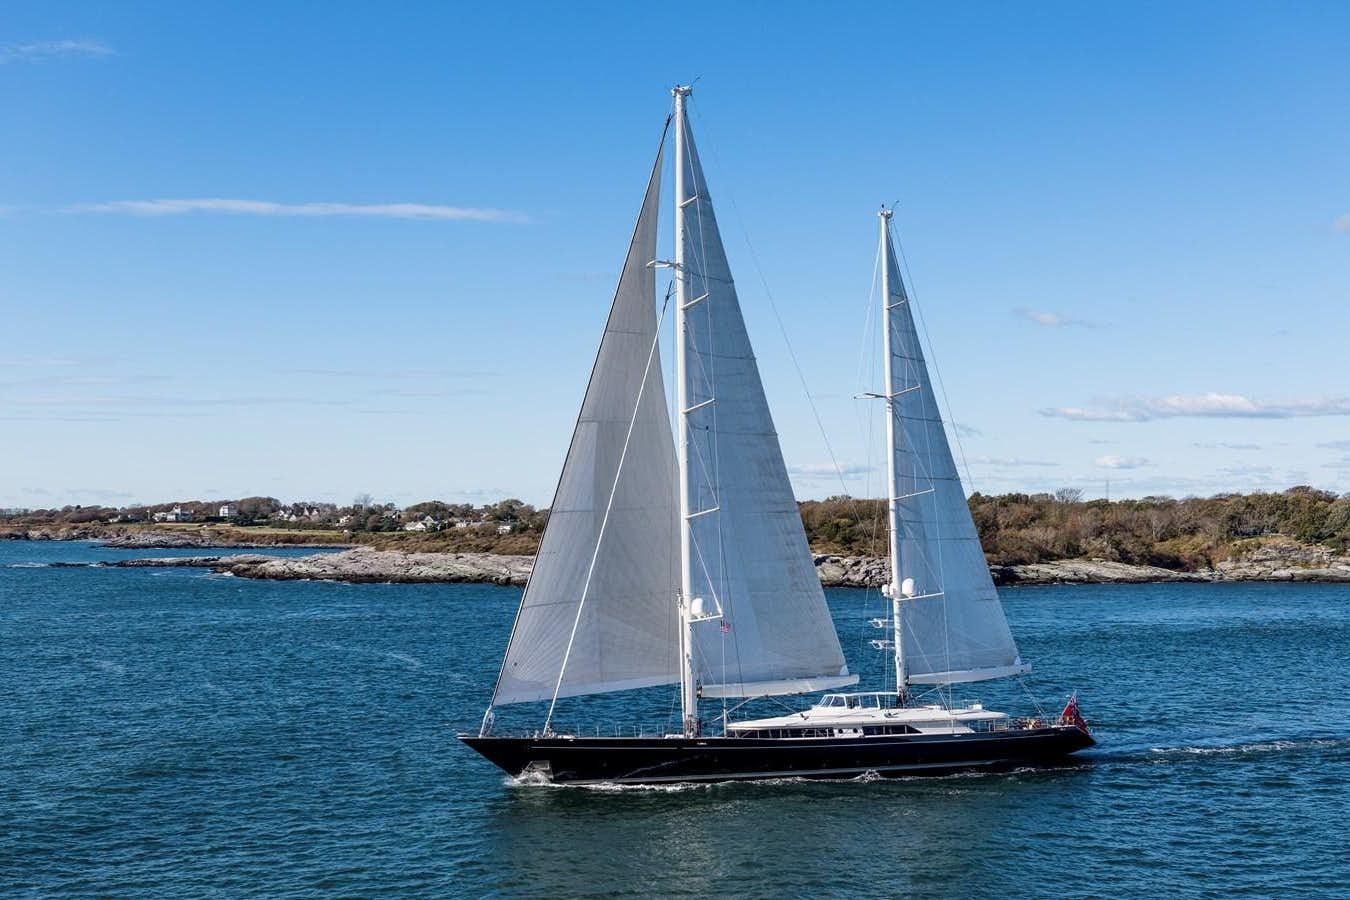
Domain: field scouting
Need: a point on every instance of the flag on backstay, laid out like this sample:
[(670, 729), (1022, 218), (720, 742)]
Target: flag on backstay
[(1072, 716)]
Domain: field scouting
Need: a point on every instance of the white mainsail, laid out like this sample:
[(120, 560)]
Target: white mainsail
[(749, 555), (953, 625), (606, 587)]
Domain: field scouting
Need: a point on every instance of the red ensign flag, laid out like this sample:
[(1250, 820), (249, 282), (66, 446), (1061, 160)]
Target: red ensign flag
[(1072, 716)]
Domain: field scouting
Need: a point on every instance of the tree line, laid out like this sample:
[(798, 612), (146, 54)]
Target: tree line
[(1015, 529), (1189, 533)]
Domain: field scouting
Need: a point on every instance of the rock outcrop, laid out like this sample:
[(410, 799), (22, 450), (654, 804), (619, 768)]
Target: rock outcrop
[(852, 571), (1271, 560), (361, 565), (1283, 559), (203, 538), (1090, 571)]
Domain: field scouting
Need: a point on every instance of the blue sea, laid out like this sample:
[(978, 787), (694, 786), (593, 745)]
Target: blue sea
[(172, 732)]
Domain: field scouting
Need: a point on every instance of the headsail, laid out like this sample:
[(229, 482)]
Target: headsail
[(954, 628), (624, 582), (749, 550)]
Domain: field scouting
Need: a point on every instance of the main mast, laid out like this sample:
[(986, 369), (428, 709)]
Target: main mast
[(892, 398), (688, 689)]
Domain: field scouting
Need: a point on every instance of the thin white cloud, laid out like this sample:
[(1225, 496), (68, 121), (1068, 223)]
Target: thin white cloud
[(1210, 406), (1050, 319), (1224, 445), (1335, 445), (178, 207), (1121, 462), (822, 471), (1009, 462), (1342, 224), (37, 51)]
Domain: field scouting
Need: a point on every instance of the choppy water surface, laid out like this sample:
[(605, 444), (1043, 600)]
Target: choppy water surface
[(168, 731)]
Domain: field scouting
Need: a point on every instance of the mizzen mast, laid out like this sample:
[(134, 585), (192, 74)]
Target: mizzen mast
[(893, 590)]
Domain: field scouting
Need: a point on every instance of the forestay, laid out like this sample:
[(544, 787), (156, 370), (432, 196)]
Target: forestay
[(954, 627), (612, 594), (749, 550)]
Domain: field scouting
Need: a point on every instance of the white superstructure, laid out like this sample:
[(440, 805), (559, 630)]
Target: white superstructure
[(866, 714)]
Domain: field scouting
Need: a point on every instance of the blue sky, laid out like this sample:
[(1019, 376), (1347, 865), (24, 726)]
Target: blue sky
[(329, 249)]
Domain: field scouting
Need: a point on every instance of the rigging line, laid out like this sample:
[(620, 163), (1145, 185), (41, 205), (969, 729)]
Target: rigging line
[(609, 506), (869, 353), (796, 365), (867, 363), (865, 414), (1022, 682)]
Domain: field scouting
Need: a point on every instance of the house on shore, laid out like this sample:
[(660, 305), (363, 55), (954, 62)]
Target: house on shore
[(177, 514)]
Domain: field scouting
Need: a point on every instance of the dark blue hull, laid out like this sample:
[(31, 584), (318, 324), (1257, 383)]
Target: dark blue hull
[(656, 760)]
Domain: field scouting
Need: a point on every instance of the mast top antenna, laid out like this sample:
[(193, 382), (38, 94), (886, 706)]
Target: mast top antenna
[(886, 213), (682, 90)]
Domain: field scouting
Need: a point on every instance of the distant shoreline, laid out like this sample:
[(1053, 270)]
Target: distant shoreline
[(364, 565), (1299, 534)]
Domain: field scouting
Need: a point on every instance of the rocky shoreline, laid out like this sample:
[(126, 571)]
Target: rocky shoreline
[(205, 538), (1274, 562), (355, 566)]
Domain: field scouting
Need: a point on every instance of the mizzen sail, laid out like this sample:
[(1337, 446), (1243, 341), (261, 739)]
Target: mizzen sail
[(749, 556), (604, 581), (953, 625)]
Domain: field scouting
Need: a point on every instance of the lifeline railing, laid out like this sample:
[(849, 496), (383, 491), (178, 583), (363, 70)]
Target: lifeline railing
[(1021, 723)]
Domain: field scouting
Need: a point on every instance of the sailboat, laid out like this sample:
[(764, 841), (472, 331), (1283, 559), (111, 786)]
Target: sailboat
[(677, 556)]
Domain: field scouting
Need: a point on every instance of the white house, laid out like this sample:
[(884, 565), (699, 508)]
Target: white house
[(228, 511), (174, 515)]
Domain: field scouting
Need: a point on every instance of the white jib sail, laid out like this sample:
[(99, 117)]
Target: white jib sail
[(750, 555), (954, 627), (624, 582)]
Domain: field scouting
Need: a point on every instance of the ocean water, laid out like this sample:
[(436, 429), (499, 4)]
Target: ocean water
[(170, 732)]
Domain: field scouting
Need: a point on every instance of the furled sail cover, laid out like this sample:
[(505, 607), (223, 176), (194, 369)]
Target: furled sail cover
[(627, 635), (954, 629), (750, 555)]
